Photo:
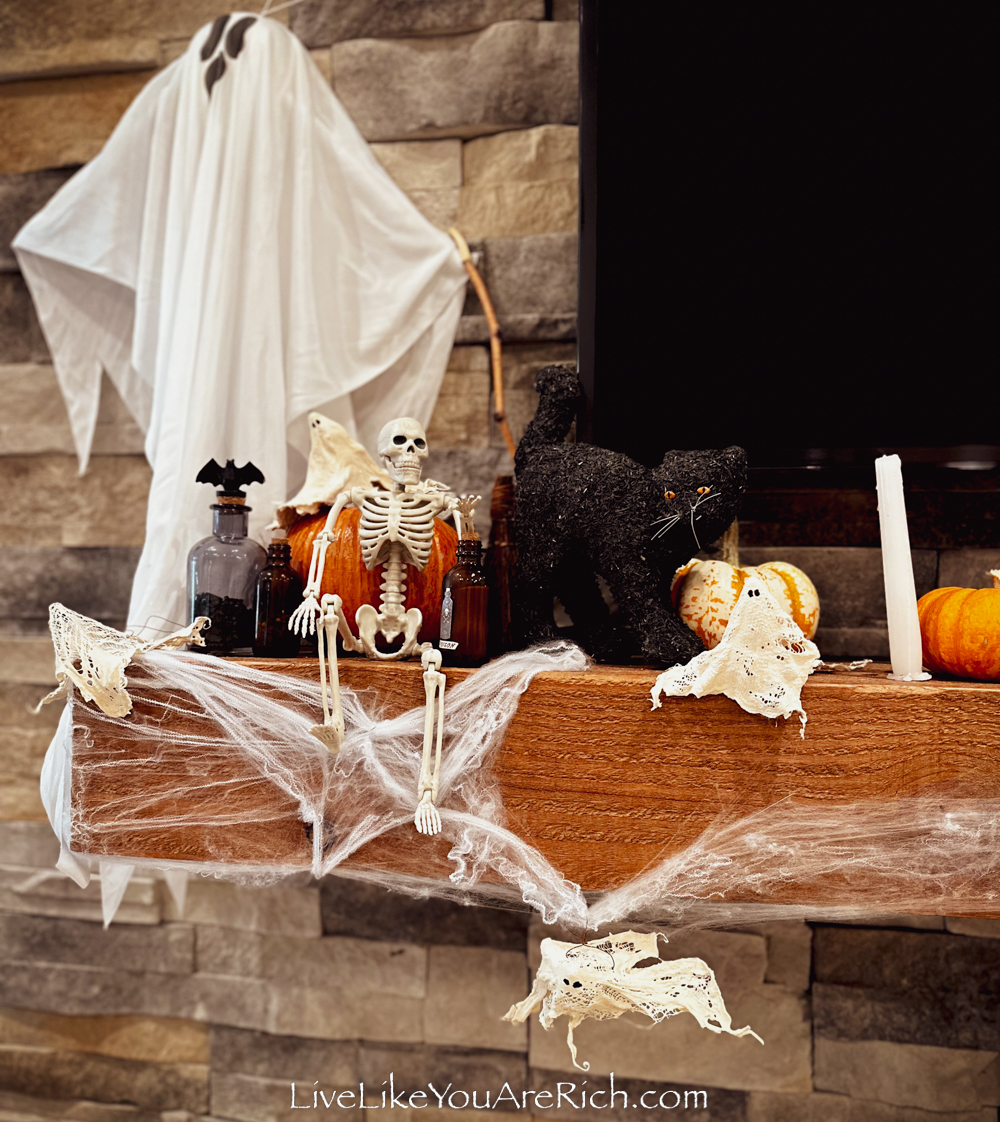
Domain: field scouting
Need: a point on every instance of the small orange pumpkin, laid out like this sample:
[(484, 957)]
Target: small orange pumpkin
[(960, 631), (704, 594), (345, 573)]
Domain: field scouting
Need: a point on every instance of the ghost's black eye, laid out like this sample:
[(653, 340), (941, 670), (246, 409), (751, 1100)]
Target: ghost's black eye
[(577, 985), (399, 440), (566, 980)]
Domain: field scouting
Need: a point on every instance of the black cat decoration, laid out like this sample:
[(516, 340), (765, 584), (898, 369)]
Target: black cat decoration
[(584, 511)]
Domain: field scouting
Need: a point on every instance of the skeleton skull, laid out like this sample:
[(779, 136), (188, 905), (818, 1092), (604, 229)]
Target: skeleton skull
[(402, 444)]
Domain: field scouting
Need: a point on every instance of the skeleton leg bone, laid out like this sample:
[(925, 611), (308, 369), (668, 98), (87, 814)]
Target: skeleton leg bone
[(331, 731), (426, 819)]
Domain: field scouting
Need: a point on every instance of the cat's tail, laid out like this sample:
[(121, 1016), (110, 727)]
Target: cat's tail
[(560, 395)]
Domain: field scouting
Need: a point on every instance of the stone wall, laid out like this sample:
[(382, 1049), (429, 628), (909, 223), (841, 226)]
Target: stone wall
[(213, 1010)]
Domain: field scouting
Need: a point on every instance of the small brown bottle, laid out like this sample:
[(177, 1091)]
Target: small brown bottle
[(501, 560), (465, 598), (279, 593)]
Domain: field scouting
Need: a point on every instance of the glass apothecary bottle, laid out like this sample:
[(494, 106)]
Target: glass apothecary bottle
[(222, 569), (465, 598), (499, 565), (279, 593)]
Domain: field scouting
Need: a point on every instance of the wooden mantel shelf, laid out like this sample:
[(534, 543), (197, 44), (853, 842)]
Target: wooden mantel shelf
[(603, 785)]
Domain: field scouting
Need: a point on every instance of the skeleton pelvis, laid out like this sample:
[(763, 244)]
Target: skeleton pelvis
[(371, 625), (346, 575)]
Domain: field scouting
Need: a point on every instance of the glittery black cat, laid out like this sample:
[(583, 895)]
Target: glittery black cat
[(583, 511)]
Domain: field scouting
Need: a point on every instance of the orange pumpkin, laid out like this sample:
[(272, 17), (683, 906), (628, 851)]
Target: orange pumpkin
[(960, 630), (705, 592), (346, 575)]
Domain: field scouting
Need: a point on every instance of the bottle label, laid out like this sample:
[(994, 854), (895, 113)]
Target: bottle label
[(447, 613), (448, 645)]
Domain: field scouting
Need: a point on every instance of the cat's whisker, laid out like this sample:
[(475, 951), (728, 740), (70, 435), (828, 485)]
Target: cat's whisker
[(694, 506), (671, 522)]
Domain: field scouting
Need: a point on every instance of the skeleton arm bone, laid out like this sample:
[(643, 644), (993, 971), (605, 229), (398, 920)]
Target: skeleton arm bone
[(308, 613)]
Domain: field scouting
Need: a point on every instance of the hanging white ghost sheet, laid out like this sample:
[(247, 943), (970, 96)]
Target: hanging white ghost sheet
[(604, 978), (761, 662), (234, 258)]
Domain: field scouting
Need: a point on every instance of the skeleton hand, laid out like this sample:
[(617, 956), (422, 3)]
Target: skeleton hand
[(303, 619), (307, 614)]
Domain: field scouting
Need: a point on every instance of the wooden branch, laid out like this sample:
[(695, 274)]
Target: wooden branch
[(499, 412)]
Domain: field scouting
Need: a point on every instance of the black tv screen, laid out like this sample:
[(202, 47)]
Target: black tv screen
[(787, 230)]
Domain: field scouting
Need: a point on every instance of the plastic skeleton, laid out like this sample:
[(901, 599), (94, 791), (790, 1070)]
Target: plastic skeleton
[(396, 530)]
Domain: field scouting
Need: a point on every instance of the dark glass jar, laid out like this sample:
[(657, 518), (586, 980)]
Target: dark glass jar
[(279, 593), (222, 579), (465, 608), (501, 560)]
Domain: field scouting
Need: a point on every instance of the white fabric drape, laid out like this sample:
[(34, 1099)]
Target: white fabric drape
[(233, 260)]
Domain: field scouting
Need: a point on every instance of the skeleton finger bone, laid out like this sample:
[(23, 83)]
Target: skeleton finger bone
[(303, 619)]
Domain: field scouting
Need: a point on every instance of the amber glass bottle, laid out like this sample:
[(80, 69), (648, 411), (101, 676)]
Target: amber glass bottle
[(501, 559), (279, 593), (465, 598)]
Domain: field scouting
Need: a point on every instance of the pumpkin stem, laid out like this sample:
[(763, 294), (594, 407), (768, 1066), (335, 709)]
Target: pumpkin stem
[(995, 574), (729, 546)]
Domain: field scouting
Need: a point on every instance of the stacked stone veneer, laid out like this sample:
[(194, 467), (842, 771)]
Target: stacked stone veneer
[(472, 108), (216, 1011)]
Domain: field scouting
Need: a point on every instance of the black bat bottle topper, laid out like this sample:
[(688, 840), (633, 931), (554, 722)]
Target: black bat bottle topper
[(230, 480)]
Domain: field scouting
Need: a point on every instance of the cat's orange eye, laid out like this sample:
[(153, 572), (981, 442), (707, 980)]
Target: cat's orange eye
[(704, 490), (668, 495)]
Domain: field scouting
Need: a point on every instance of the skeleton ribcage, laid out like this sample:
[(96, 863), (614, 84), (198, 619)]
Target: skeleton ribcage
[(391, 516)]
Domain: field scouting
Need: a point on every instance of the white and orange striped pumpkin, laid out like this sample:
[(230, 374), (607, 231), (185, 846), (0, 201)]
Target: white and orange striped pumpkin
[(705, 592)]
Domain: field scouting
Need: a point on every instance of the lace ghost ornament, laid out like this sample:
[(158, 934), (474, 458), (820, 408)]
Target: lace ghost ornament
[(602, 980), (761, 662), (93, 657)]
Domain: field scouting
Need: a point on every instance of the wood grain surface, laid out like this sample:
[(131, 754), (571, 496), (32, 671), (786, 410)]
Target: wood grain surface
[(594, 777)]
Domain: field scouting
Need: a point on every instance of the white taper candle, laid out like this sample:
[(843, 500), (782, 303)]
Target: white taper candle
[(897, 569)]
